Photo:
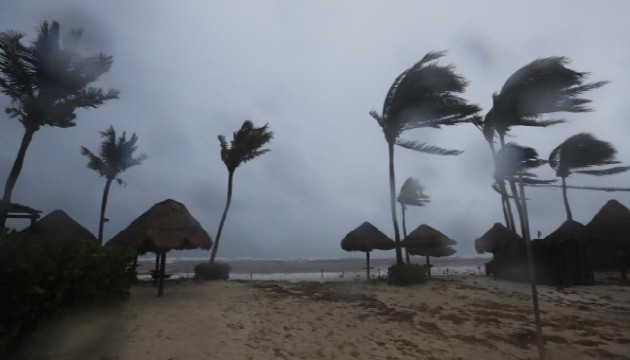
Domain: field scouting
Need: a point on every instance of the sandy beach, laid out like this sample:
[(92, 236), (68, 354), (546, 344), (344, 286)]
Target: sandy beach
[(456, 317)]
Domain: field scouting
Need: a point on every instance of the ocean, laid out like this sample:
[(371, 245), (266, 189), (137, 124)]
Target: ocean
[(310, 269)]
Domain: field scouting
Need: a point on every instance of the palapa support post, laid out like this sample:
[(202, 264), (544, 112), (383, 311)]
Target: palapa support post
[(161, 273), (157, 268), (367, 257), (428, 267), (532, 273)]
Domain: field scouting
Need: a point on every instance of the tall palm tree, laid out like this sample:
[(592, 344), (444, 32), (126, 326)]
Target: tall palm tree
[(422, 96), (412, 194), (583, 151), (544, 86), (246, 145), (115, 156), (46, 83)]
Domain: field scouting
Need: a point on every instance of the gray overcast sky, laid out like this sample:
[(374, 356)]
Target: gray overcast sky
[(191, 70)]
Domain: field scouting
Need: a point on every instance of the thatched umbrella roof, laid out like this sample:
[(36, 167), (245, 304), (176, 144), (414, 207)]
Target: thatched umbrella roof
[(568, 230), (167, 225), (366, 237), (58, 223), (436, 251), (613, 218), (425, 236), (493, 238)]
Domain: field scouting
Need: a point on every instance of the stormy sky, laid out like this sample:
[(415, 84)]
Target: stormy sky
[(191, 70)]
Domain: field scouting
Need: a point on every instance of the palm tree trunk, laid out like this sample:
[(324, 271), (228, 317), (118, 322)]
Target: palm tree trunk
[(101, 221), (518, 203), (15, 172), (566, 199), (505, 193), (505, 201), (392, 195), (402, 208), (225, 211), (428, 267)]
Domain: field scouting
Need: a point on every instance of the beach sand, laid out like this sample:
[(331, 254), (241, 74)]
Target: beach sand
[(457, 317)]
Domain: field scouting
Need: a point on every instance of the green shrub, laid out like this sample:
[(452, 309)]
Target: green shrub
[(41, 277), (406, 274), (212, 271)]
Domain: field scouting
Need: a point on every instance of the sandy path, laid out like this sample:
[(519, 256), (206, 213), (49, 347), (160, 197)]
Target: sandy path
[(458, 318)]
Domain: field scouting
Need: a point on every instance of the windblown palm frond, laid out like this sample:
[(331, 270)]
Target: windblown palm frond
[(115, 155), (543, 86), (584, 151), (412, 193), (424, 96), (245, 146), (427, 149), (514, 160)]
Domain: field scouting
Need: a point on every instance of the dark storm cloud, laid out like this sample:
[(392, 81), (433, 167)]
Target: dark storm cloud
[(191, 71)]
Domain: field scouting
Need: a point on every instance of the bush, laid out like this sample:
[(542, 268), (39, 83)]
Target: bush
[(212, 271), (41, 277), (406, 274)]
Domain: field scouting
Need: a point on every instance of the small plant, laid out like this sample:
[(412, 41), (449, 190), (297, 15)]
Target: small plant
[(406, 274), (212, 271)]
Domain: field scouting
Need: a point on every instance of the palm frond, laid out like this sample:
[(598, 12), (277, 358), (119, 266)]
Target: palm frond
[(513, 160), (412, 193), (246, 145), (594, 188), (602, 172), (115, 155), (582, 151), (427, 149)]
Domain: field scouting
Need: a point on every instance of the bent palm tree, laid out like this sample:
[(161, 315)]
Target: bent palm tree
[(583, 151), (246, 145), (422, 96), (544, 86), (411, 193), (115, 156), (46, 84)]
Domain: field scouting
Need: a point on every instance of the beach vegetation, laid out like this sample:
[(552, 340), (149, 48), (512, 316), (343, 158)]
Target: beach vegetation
[(41, 277), (423, 96), (115, 156), (406, 274), (47, 81), (246, 145), (212, 271)]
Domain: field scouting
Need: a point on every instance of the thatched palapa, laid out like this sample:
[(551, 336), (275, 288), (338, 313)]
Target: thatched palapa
[(17, 211), (427, 241), (561, 259), (493, 238), (166, 226), (607, 236), (366, 237), (57, 223)]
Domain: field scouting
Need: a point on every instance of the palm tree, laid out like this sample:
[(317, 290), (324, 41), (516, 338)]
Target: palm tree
[(422, 96), (411, 193), (115, 156), (246, 145), (46, 84), (544, 86), (583, 151)]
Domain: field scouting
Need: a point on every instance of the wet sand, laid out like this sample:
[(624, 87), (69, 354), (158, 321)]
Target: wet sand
[(456, 317)]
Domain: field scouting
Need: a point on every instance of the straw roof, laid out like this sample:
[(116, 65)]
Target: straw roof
[(58, 223), (425, 236), (167, 225), (613, 218), (366, 237), (427, 241), (435, 251), (568, 230), (493, 238)]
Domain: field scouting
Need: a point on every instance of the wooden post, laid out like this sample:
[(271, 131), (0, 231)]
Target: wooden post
[(532, 273), (161, 273), (367, 257), (157, 268), (428, 267)]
